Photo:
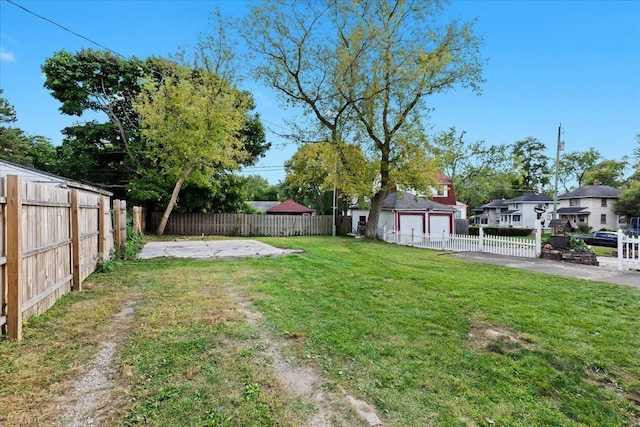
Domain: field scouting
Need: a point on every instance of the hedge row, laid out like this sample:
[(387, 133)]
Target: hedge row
[(501, 231)]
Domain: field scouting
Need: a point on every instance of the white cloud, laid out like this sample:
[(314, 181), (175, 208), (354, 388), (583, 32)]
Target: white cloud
[(6, 56)]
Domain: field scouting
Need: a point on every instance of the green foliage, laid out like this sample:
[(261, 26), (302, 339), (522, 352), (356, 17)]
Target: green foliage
[(259, 188), (607, 172), (361, 81), (531, 164), (573, 167), (585, 228), (112, 153), (501, 231), (15, 145), (628, 202), (578, 245), (316, 169), (480, 173), (106, 264), (129, 251)]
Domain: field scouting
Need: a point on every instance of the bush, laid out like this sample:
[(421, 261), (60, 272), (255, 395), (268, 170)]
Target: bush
[(129, 250), (579, 245), (501, 231), (584, 228)]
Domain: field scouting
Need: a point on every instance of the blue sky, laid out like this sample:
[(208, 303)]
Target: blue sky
[(550, 62)]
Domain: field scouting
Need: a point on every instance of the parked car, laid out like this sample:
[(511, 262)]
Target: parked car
[(601, 238)]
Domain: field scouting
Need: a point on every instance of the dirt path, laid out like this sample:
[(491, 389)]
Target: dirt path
[(91, 400), (330, 408)]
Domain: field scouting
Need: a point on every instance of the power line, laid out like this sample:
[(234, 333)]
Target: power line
[(44, 18)]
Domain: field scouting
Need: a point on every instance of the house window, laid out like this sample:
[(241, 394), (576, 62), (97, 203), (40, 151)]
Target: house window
[(362, 220), (603, 203), (582, 219), (603, 218), (516, 218), (442, 191), (516, 206), (574, 202)]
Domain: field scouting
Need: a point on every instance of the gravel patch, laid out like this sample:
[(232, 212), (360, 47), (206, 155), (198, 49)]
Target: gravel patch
[(91, 393)]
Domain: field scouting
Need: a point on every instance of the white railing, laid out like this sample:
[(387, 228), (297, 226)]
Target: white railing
[(628, 251), (501, 245)]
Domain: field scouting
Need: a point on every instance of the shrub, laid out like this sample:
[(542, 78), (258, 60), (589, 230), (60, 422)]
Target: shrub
[(584, 228), (578, 245), (129, 250), (501, 231)]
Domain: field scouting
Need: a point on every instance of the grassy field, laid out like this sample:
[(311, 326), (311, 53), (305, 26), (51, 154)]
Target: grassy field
[(427, 339)]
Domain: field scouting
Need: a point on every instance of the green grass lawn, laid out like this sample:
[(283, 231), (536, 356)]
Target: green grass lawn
[(426, 339)]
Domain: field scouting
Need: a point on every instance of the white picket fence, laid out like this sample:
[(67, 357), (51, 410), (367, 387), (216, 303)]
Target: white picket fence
[(501, 245), (628, 251)]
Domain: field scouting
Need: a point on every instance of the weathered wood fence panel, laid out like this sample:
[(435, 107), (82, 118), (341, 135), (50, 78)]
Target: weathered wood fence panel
[(243, 224), (52, 239), (45, 237), (139, 219), (119, 222), (3, 254)]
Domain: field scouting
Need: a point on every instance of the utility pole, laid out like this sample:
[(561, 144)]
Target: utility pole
[(559, 147)]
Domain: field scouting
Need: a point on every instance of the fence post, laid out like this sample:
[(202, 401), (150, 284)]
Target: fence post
[(620, 250), (137, 220), (75, 241), (538, 238), (480, 239), (117, 236), (412, 234), (102, 227), (14, 256)]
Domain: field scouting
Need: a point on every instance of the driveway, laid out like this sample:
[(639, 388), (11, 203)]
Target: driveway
[(212, 249), (607, 271)]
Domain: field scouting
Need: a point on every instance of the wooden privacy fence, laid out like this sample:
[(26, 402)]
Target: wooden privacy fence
[(52, 239), (243, 224)]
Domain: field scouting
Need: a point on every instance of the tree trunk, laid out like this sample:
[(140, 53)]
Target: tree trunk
[(172, 202), (371, 232)]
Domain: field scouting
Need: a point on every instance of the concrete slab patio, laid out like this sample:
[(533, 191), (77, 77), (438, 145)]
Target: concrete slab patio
[(212, 249)]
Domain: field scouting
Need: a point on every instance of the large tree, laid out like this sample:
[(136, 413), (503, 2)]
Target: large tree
[(364, 71), (18, 147), (628, 202), (192, 123), (315, 170), (100, 81), (608, 172), (258, 188), (532, 165), (108, 150), (574, 166)]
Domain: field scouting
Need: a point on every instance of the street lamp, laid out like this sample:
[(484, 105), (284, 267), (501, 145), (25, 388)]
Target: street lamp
[(559, 148)]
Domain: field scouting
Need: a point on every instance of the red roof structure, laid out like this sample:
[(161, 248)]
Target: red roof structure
[(450, 197), (289, 207)]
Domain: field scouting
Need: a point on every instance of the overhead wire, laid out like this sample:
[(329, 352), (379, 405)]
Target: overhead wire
[(64, 28), (44, 18)]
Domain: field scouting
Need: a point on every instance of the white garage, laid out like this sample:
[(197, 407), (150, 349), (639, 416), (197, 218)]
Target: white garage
[(406, 212), (439, 224), (412, 221)]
